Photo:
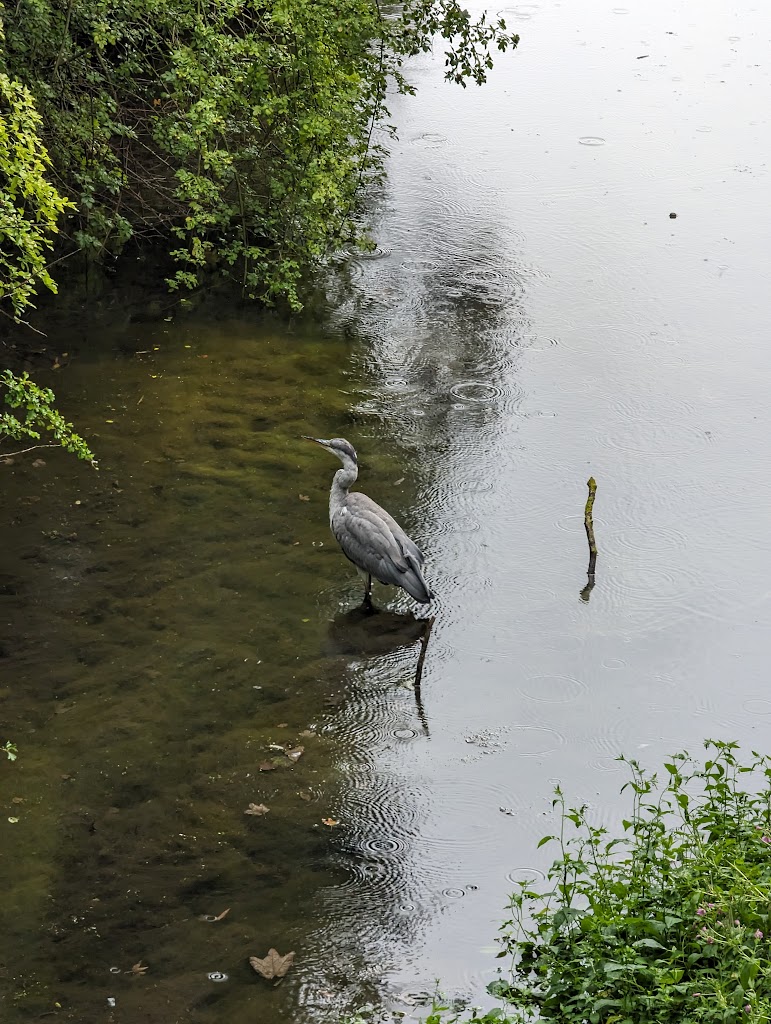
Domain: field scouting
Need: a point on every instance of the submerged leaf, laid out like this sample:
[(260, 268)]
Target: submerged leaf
[(296, 754), (257, 809), (274, 965)]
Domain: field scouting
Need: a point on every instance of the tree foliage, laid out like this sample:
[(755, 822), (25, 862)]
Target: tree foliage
[(30, 205), (35, 417), (241, 130)]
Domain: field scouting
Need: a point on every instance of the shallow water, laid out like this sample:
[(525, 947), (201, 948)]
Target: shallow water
[(534, 316)]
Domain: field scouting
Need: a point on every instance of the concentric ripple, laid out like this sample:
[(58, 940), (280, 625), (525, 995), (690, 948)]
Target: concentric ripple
[(378, 253), (757, 706), (476, 391), (535, 741), (382, 845), (525, 874), (553, 689)]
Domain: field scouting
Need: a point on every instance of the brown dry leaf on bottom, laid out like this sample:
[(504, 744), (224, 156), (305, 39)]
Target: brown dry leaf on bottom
[(274, 965), (295, 754), (257, 809), (137, 969)]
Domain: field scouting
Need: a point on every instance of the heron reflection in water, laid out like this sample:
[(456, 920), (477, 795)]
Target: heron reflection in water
[(370, 633), (368, 535)]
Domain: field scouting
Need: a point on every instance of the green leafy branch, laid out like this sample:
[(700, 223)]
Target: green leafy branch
[(33, 417), (240, 132), (30, 206)]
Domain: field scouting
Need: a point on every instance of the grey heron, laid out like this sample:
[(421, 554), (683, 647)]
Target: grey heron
[(368, 535)]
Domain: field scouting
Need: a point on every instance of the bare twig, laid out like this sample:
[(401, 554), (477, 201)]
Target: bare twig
[(589, 527), (23, 451), (22, 323)]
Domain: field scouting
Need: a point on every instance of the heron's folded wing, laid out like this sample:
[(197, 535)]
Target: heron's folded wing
[(364, 532), (363, 505)]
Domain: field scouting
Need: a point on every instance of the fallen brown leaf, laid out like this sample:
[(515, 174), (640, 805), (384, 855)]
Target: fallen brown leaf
[(257, 809), (304, 497), (283, 725), (137, 969), (329, 821), (267, 766), (274, 965), (296, 754), (223, 914), (305, 796)]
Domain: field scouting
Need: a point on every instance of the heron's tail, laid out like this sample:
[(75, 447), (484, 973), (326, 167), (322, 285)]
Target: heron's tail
[(415, 584)]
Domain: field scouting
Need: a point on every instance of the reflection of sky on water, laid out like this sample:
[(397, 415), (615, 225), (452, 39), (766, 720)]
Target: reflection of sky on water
[(539, 318)]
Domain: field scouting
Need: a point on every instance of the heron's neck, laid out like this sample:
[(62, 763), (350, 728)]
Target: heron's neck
[(343, 479)]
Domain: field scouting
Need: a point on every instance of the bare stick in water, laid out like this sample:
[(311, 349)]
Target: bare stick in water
[(589, 526)]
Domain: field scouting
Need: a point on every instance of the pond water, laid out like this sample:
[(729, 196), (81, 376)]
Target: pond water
[(176, 623)]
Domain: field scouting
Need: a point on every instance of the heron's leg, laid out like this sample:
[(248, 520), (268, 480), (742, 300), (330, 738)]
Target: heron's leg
[(368, 593)]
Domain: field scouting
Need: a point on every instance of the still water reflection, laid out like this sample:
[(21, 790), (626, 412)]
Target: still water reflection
[(171, 624)]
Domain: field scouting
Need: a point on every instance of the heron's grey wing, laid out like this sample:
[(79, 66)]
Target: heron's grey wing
[(367, 540), (409, 548), (375, 542)]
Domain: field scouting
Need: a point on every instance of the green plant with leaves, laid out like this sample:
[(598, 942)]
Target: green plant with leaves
[(31, 415), (238, 132), (10, 750), (668, 922), (30, 206)]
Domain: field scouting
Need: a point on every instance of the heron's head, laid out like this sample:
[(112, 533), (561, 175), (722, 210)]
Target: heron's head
[(343, 449)]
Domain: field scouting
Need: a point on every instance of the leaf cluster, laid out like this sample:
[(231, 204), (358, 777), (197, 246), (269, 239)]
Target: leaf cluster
[(668, 922), (35, 417), (240, 132), (30, 206)]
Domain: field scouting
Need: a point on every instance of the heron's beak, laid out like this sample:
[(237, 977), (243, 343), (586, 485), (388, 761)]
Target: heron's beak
[(316, 440)]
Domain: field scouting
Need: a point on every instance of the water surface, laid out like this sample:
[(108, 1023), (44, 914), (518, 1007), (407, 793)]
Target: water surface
[(535, 316)]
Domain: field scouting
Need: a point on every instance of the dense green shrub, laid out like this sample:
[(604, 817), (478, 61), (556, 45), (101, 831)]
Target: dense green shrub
[(669, 922), (241, 129), (666, 923)]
